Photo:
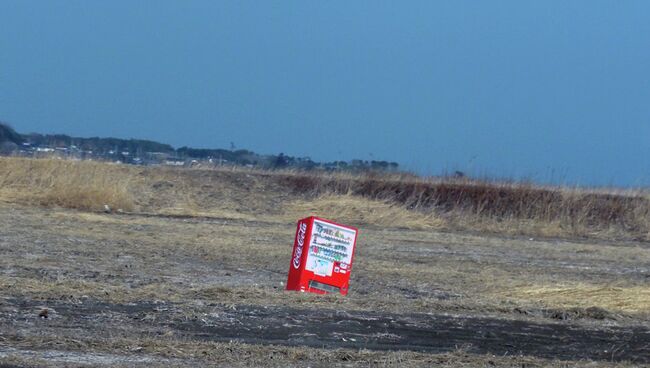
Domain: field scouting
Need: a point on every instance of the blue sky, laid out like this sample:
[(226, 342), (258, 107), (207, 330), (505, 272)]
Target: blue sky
[(549, 90)]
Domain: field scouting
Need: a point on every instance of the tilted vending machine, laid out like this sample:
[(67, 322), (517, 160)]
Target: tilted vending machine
[(323, 252)]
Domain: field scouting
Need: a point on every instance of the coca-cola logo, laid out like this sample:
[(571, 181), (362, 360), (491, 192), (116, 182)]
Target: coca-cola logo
[(302, 231)]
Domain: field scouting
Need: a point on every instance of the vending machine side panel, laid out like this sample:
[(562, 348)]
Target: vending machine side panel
[(295, 279)]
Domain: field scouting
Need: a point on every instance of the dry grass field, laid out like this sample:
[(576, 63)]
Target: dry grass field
[(380, 199), (187, 268)]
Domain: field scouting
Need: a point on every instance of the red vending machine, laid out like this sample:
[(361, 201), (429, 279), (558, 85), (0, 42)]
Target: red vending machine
[(323, 252)]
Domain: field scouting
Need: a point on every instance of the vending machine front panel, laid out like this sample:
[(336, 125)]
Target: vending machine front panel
[(323, 256)]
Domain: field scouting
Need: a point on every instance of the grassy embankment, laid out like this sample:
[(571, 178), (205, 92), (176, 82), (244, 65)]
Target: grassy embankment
[(396, 200)]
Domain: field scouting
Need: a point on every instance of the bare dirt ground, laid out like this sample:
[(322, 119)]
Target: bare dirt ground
[(136, 290)]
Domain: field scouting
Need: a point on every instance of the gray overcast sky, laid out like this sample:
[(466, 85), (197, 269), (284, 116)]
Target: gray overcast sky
[(550, 90)]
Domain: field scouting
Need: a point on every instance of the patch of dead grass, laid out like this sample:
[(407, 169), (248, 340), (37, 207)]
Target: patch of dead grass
[(358, 210), (628, 299), (82, 185), (237, 354), (77, 289)]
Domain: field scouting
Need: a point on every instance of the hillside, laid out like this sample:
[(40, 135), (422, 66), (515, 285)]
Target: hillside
[(7, 134)]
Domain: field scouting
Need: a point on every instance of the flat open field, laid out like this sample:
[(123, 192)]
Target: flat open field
[(174, 288)]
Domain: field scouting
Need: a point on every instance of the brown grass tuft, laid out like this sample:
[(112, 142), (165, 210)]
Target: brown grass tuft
[(357, 210), (82, 185)]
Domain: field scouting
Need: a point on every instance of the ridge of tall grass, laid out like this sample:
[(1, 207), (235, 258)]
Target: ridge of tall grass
[(571, 208), (458, 203)]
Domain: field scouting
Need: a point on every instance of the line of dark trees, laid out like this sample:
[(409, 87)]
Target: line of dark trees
[(98, 145), (7, 134), (11, 140)]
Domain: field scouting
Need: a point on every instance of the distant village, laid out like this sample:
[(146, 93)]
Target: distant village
[(27, 149), (144, 152)]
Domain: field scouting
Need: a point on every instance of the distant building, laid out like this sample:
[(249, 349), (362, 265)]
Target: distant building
[(174, 162)]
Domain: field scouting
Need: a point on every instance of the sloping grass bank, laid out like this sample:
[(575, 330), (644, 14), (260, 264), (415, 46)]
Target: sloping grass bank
[(496, 206), (399, 200)]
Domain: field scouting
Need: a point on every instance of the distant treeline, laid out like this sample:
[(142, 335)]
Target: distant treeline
[(144, 148), (245, 157), (98, 145)]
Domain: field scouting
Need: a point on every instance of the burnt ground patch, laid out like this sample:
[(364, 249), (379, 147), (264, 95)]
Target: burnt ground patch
[(434, 333)]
